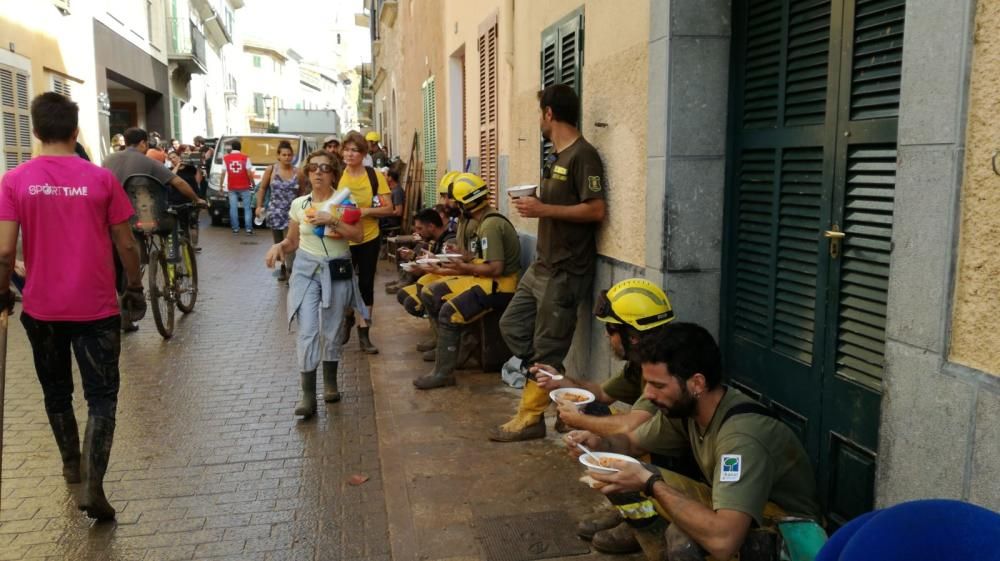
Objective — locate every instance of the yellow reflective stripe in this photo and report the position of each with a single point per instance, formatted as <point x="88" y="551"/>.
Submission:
<point x="638" y="511"/>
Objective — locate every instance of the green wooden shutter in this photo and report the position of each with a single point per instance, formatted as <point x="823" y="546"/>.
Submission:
<point x="562" y="59"/>
<point x="430" y="142"/>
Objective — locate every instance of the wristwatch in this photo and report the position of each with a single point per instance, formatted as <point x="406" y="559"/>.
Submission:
<point x="648" y="490"/>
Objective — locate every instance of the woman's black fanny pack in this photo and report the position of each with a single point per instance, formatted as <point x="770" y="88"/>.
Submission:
<point x="341" y="269"/>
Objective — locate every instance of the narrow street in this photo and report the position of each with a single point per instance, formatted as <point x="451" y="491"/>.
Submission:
<point x="209" y="462"/>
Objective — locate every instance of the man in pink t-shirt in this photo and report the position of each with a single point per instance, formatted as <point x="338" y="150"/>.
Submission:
<point x="65" y="207"/>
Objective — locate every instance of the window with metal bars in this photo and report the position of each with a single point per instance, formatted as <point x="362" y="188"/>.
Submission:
<point x="15" y="118"/>
<point x="562" y="60"/>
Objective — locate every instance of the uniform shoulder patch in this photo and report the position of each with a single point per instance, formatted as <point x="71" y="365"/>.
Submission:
<point x="484" y="243"/>
<point x="731" y="467"/>
<point x="594" y="183"/>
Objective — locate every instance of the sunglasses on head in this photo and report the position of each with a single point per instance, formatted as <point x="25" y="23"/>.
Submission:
<point x="325" y="168"/>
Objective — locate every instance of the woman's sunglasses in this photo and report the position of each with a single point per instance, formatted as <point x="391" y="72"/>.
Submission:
<point x="325" y="168"/>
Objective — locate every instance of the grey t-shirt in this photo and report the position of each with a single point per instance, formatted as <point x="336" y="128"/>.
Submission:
<point x="131" y="162"/>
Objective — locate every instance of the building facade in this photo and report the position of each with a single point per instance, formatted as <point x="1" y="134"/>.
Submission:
<point x="810" y="181"/>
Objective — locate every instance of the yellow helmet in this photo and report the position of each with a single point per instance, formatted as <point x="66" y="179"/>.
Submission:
<point x="444" y="187"/>
<point x="373" y="136"/>
<point x="634" y="302"/>
<point x="470" y="191"/>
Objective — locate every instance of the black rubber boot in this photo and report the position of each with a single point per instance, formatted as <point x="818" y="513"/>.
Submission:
<point x="67" y="435"/>
<point x="330" y="392"/>
<point x="96" y="452"/>
<point x="366" y="344"/>
<point x="346" y="327"/>
<point x="431" y="343"/>
<point x="307" y="406"/>
<point x="444" y="368"/>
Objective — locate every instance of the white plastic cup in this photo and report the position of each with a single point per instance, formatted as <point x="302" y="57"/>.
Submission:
<point x="259" y="219"/>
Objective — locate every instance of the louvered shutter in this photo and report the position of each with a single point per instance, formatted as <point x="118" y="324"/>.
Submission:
<point x="62" y="85"/>
<point x="562" y="59"/>
<point x="15" y="118"/>
<point x="430" y="142"/>
<point x="488" y="110"/>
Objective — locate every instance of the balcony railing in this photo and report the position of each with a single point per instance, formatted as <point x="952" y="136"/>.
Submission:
<point x="187" y="46"/>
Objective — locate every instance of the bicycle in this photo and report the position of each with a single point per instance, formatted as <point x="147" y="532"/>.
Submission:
<point x="166" y="253"/>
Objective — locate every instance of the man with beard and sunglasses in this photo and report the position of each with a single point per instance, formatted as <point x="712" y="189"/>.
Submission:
<point x="757" y="470"/>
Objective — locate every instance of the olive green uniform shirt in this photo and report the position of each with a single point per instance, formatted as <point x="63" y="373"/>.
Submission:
<point x="496" y="240"/>
<point x="577" y="175"/>
<point x="626" y="387"/>
<point x="466" y="233"/>
<point x="751" y="460"/>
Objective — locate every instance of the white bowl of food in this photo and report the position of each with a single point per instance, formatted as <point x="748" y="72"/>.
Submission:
<point x="606" y="461"/>
<point x="576" y="396"/>
<point x="518" y="191"/>
<point x="450" y="257"/>
<point x="429" y="261"/>
<point x="408" y="266"/>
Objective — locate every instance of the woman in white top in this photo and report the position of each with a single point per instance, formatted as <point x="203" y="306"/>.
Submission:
<point x="322" y="286"/>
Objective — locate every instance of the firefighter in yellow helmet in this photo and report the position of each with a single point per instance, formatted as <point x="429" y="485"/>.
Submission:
<point x="630" y="309"/>
<point x="485" y="280"/>
<point x="380" y="159"/>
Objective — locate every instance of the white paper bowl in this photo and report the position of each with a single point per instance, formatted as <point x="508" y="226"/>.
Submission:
<point x="518" y="191"/>
<point x="429" y="261"/>
<point x="449" y="257"/>
<point x="408" y="266"/>
<point x="588" y="462"/>
<point x="558" y="396"/>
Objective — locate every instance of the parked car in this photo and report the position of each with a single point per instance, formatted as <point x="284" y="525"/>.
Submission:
<point x="262" y="149"/>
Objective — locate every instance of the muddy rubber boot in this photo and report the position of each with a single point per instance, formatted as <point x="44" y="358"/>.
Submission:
<point x="444" y="368"/>
<point x="346" y="327"/>
<point x="330" y="392"/>
<point x="67" y="435"/>
<point x="431" y="343"/>
<point x="430" y="356"/>
<point x="680" y="546"/>
<point x="366" y="344"/>
<point x="96" y="452"/>
<point x="529" y="422"/>
<point x="603" y="521"/>
<point x="617" y="540"/>
<point x="652" y="539"/>
<point x="307" y="406"/>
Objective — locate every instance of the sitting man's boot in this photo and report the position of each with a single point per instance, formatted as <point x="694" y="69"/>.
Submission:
<point x="603" y="521"/>
<point x="680" y="546"/>
<point x="97" y="441"/>
<point x="620" y="539"/>
<point x="366" y="344"/>
<point x="307" y="406"/>
<point x="431" y="343"/>
<point x="330" y="391"/>
<point x="444" y="367"/>
<point x="430" y="356"/>
<point x="529" y="422"/>
<point x="346" y="327"/>
<point x="67" y="435"/>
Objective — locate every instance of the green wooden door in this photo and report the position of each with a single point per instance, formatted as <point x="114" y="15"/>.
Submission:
<point x="809" y="222"/>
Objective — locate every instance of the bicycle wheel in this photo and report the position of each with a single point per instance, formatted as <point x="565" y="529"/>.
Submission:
<point x="160" y="294"/>
<point x="186" y="278"/>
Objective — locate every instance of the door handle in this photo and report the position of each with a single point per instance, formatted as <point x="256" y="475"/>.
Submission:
<point x="835" y="236"/>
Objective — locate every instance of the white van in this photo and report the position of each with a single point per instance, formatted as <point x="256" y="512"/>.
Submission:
<point x="262" y="149"/>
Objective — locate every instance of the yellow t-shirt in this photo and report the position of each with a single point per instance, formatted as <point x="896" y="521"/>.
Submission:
<point x="308" y="240"/>
<point x="361" y="194"/>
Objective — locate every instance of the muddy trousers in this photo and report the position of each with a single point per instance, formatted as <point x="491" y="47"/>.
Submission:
<point x="96" y="345"/>
<point x="660" y="539"/>
<point x="409" y="296"/>
<point x="457" y="301"/>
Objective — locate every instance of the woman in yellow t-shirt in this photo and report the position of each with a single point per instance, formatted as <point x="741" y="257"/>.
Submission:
<point x="322" y="287"/>
<point x="370" y="190"/>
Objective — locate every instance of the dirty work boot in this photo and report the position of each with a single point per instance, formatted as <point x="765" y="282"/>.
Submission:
<point x="68" y="440"/>
<point x="330" y="392"/>
<point x="431" y="343"/>
<point x="653" y="541"/>
<point x="430" y="356"/>
<point x="96" y="450"/>
<point x="529" y="422"/>
<point x="604" y="521"/>
<point x="468" y="350"/>
<point x="366" y="344"/>
<point x="620" y="539"/>
<point x="444" y="368"/>
<point x="307" y="406"/>
<point x="680" y="546"/>
<point x="345" y="328"/>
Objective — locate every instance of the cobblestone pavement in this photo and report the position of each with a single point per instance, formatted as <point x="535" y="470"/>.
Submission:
<point x="208" y="460"/>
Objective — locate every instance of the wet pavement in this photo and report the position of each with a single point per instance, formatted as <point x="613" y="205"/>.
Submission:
<point x="210" y="463"/>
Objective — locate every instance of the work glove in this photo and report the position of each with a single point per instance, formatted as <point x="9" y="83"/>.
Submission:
<point x="134" y="300"/>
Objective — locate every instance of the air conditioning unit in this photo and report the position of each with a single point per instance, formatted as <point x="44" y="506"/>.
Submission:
<point x="62" y="5"/>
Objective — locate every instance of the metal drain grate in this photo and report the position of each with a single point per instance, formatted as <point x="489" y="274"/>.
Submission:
<point x="540" y="535"/>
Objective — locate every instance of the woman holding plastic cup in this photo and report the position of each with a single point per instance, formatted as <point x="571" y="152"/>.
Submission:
<point x="322" y="283"/>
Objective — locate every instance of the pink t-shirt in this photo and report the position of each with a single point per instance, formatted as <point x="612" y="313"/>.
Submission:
<point x="66" y="206"/>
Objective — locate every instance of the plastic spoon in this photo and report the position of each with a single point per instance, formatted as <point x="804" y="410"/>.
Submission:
<point x="554" y="375"/>
<point x="587" y="451"/>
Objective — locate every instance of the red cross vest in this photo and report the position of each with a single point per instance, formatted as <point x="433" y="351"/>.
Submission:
<point x="236" y="171"/>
